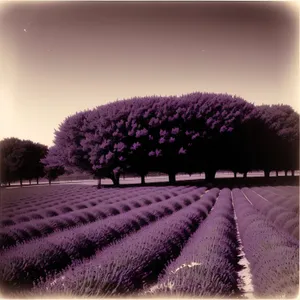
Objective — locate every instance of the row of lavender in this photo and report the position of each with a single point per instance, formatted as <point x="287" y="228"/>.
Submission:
<point x="178" y="246"/>
<point x="22" y="266"/>
<point x="23" y="232"/>
<point x="37" y="195"/>
<point x="55" y="208"/>
<point x="285" y="198"/>
<point x="71" y="198"/>
<point x="208" y="264"/>
<point x="190" y="253"/>
<point x="273" y="255"/>
<point x="136" y="261"/>
<point x="281" y="211"/>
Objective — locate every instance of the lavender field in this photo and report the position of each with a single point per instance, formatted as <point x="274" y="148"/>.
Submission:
<point x="150" y="149"/>
<point x="76" y="240"/>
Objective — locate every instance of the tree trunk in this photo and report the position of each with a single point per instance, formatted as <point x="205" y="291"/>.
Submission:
<point x="21" y="182"/>
<point x="277" y="173"/>
<point x="285" y="173"/>
<point x="30" y="181"/>
<point x="267" y="173"/>
<point x="210" y="175"/>
<point x="142" y="179"/>
<point x="245" y="175"/>
<point x="235" y="174"/>
<point x="293" y="173"/>
<point x="99" y="183"/>
<point x="172" y="177"/>
<point x="116" y="180"/>
<point x="9" y="183"/>
<point x="49" y="181"/>
<point x="37" y="180"/>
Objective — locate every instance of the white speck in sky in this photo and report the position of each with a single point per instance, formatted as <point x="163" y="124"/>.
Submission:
<point x="25" y="30"/>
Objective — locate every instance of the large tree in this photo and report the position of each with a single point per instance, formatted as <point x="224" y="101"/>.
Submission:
<point x="193" y="133"/>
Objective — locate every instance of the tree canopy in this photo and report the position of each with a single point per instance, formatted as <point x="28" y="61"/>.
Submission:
<point x="192" y="133"/>
<point x="22" y="160"/>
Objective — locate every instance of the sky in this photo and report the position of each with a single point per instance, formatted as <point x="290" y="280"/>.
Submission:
<point x="58" y="58"/>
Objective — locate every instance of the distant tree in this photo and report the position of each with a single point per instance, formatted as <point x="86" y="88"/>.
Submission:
<point x="53" y="172"/>
<point x="20" y="159"/>
<point x="12" y="160"/>
<point x="30" y="160"/>
<point x="53" y="164"/>
<point x="279" y="147"/>
<point x="40" y="153"/>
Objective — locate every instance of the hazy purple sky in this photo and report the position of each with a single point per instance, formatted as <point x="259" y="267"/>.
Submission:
<point x="59" y="58"/>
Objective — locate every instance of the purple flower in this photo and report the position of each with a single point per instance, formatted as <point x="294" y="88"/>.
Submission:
<point x="223" y="129"/>
<point x="131" y="132"/>
<point x="95" y="167"/>
<point x="142" y="132"/>
<point x="120" y="123"/>
<point x="230" y="129"/>
<point x="102" y="159"/>
<point x="120" y="146"/>
<point x="150" y="137"/>
<point x="154" y="121"/>
<point x="209" y="121"/>
<point x="195" y="136"/>
<point x="172" y="140"/>
<point x="214" y="124"/>
<point x="151" y="153"/>
<point x="121" y="158"/>
<point x="182" y="151"/>
<point x="162" y="140"/>
<point x="135" y="146"/>
<point x="158" y="152"/>
<point x="116" y="170"/>
<point x="133" y="124"/>
<point x="163" y="132"/>
<point x="175" y="130"/>
<point x="104" y="144"/>
<point x="109" y="155"/>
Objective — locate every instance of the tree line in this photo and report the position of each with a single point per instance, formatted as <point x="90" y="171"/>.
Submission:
<point x="191" y="133"/>
<point x="21" y="160"/>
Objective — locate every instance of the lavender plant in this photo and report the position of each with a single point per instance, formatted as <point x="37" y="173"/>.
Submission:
<point x="208" y="264"/>
<point x="273" y="255"/>
<point x="126" y="266"/>
<point x="57" y="251"/>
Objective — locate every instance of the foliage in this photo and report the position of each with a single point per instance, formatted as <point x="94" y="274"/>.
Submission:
<point x="21" y="159"/>
<point x="192" y="133"/>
